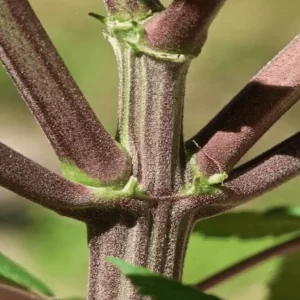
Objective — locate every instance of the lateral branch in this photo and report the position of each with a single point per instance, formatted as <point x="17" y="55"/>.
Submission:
<point x="271" y="93"/>
<point x="30" y="180"/>
<point x="58" y="105"/>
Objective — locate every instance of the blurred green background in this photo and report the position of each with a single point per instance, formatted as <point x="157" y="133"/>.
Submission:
<point x="244" y="37"/>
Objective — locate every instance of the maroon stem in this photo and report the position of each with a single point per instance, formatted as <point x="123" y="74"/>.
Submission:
<point x="131" y="8"/>
<point x="156" y="240"/>
<point x="258" y="176"/>
<point x="30" y="180"/>
<point x="14" y="293"/>
<point x="244" y="265"/>
<point x="191" y="18"/>
<point x="251" y="113"/>
<point x="54" y="98"/>
<point x="150" y="119"/>
<point x="150" y="129"/>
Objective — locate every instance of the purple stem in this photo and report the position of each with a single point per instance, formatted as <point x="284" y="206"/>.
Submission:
<point x="8" y="292"/>
<point x="251" y="113"/>
<point x="131" y="8"/>
<point x="30" y="180"/>
<point x="53" y="97"/>
<point x="258" y="176"/>
<point x="191" y="18"/>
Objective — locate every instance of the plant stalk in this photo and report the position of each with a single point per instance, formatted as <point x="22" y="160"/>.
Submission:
<point x="156" y="239"/>
<point x="151" y="94"/>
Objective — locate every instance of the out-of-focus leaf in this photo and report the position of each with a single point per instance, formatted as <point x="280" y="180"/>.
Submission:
<point x="8" y="292"/>
<point x="246" y="225"/>
<point x="156" y="286"/>
<point x="65" y="245"/>
<point x="285" y="285"/>
<point x="13" y="274"/>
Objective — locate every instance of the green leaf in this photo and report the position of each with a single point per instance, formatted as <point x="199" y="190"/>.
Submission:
<point x="156" y="286"/>
<point x="246" y="225"/>
<point x="285" y="285"/>
<point x="13" y="274"/>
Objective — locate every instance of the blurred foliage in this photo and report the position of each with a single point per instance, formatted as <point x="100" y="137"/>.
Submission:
<point x="245" y="36"/>
<point x="252" y="224"/>
<point x="14" y="275"/>
<point x="285" y="285"/>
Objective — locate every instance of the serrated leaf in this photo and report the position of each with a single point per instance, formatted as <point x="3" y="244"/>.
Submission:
<point x="156" y="286"/>
<point x="251" y="224"/>
<point x="13" y="274"/>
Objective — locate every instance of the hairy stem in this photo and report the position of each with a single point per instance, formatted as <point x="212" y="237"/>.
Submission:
<point x="156" y="239"/>
<point x="183" y="26"/>
<point x="30" y="180"/>
<point x="256" y="177"/>
<point x="54" y="98"/>
<point x="244" y="265"/>
<point x="135" y="8"/>
<point x="150" y="118"/>
<point x="271" y="93"/>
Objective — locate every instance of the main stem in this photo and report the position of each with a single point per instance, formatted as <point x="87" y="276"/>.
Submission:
<point x="156" y="239"/>
<point x="151" y="98"/>
<point x="150" y="118"/>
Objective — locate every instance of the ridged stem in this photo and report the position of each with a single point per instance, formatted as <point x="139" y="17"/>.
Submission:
<point x="30" y="180"/>
<point x="150" y="118"/>
<point x="156" y="239"/>
<point x="80" y="141"/>
<point x="243" y="121"/>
